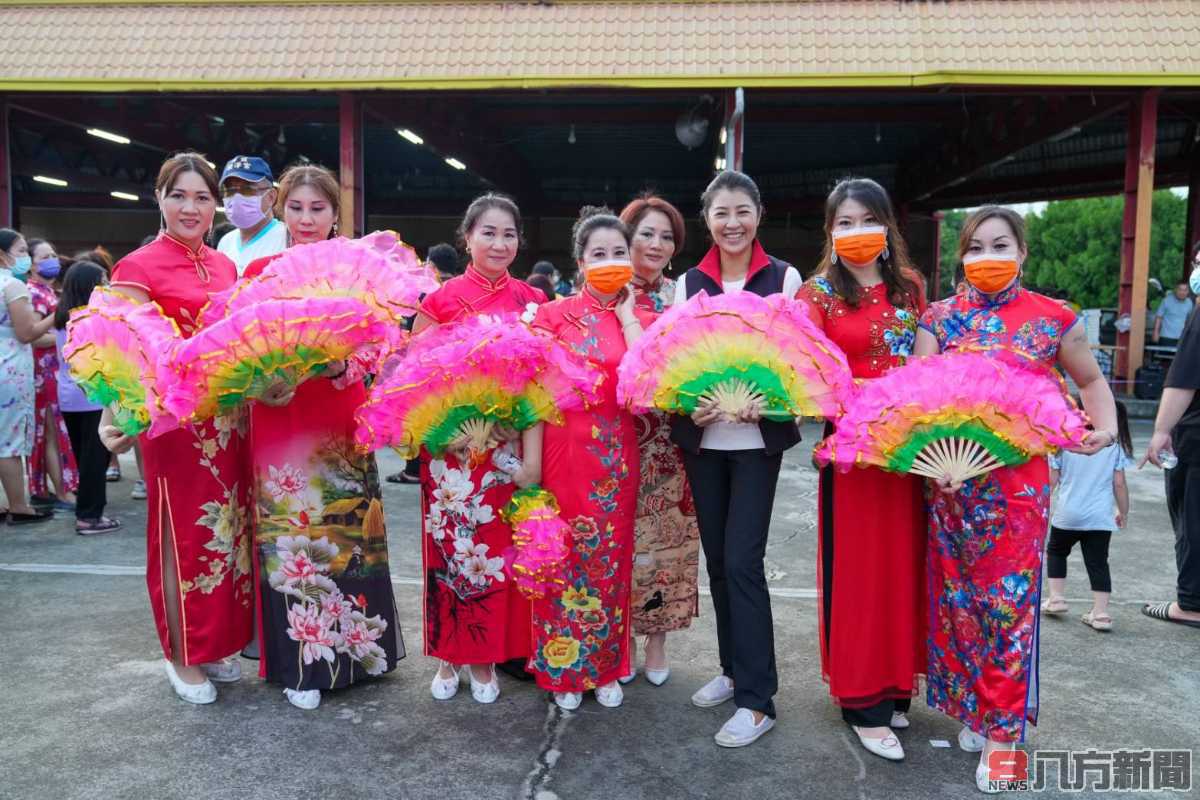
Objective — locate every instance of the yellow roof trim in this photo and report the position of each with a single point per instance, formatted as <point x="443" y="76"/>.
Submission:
<point x="839" y="80"/>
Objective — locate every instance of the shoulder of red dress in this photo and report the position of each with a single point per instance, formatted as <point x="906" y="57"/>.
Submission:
<point x="255" y="267"/>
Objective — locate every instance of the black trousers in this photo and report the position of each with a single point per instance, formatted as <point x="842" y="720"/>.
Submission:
<point x="92" y="459"/>
<point x="1183" y="504"/>
<point x="878" y="715"/>
<point x="734" y="491"/>
<point x="1095" y="555"/>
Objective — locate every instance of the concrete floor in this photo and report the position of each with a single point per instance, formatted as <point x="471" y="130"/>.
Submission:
<point x="87" y="712"/>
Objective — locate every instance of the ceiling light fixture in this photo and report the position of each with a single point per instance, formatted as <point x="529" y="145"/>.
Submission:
<point x="50" y="181"/>
<point x="410" y="136"/>
<point x="99" y="133"/>
<point x="125" y="196"/>
<point x="454" y="162"/>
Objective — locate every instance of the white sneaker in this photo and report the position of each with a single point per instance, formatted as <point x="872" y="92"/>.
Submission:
<point x="307" y="700"/>
<point x="444" y="688"/>
<point x="568" y="701"/>
<point x="740" y="730"/>
<point x="484" y="692"/>
<point x="899" y="721"/>
<point x="227" y="670"/>
<point x="970" y="741"/>
<point x="713" y="693"/>
<point x="888" y="747"/>
<point x="198" y="693"/>
<point x="983" y="776"/>
<point x="139" y="490"/>
<point x="610" y="696"/>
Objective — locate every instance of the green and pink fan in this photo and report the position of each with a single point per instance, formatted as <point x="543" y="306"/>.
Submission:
<point x="956" y="416"/>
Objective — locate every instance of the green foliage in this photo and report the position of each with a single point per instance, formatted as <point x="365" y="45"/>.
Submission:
<point x="1075" y="247"/>
<point x="952" y="223"/>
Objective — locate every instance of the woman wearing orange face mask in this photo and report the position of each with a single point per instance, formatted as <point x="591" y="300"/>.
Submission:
<point x="986" y="535"/>
<point x="867" y="298"/>
<point x="581" y="639"/>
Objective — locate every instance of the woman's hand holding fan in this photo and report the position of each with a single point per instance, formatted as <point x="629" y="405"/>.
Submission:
<point x="734" y="357"/>
<point x="956" y="416"/>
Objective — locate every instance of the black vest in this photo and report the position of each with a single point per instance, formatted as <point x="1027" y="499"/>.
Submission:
<point x="777" y="436"/>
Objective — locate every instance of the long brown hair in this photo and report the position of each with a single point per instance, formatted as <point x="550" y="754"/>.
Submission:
<point x="895" y="268"/>
<point x="313" y="175"/>
<point x="633" y="214"/>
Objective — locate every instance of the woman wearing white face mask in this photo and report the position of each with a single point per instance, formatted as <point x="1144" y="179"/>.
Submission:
<point x="581" y="638"/>
<point x="870" y="558"/>
<point x="986" y="535"/>
<point x="52" y="464"/>
<point x="19" y="327"/>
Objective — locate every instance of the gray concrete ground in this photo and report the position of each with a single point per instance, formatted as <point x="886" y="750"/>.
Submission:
<point x="87" y="713"/>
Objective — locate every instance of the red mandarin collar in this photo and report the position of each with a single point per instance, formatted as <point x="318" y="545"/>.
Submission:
<point x="483" y="282"/>
<point x="644" y="287"/>
<point x="710" y="265"/>
<point x="197" y="257"/>
<point x="596" y="303"/>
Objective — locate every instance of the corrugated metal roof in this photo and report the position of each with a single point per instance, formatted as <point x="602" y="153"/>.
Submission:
<point x="359" y="45"/>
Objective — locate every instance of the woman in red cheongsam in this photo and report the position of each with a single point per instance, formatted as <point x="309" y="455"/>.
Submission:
<point x="867" y="298"/>
<point x="590" y="464"/>
<point x="986" y="535"/>
<point x="198" y="533"/>
<point x="472" y="619"/>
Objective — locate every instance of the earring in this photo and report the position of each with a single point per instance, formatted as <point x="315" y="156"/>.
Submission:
<point x="833" y="259"/>
<point x="886" y="254"/>
<point x="334" y="231"/>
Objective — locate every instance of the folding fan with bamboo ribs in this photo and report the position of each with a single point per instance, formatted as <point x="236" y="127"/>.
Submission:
<point x="956" y="416"/>
<point x="117" y="349"/>
<point x="734" y="350"/>
<point x="456" y="388"/>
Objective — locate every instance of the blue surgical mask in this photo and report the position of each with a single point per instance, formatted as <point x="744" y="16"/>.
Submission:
<point x="49" y="268"/>
<point x="1194" y="281"/>
<point x="21" y="266"/>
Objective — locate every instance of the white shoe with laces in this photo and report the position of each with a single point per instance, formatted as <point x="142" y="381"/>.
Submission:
<point x="197" y="693"/>
<point x="610" y="696"/>
<point x="307" y="699"/>
<point x="227" y="670"/>
<point x="568" y="701"/>
<point x="899" y="721"/>
<point x="444" y="688"/>
<point x="741" y="729"/>
<point x="713" y="693"/>
<point x="481" y="691"/>
<point x="888" y="747"/>
<point x="970" y="741"/>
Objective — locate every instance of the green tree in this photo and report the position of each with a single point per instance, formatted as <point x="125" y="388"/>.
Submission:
<point x="952" y="223"/>
<point x="1075" y="247"/>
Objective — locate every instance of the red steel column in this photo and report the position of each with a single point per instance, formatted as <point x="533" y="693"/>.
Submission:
<point x="350" y="169"/>
<point x="1135" y="230"/>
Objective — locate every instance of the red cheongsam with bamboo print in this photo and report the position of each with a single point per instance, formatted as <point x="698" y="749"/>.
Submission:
<point x="871" y="548"/>
<point x="197" y="484"/>
<point x="473" y="614"/>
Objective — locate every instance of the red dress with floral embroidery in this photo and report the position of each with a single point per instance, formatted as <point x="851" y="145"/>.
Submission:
<point x="590" y="464"/>
<point x="986" y="541"/>
<point x="196" y="482"/>
<point x="871" y="551"/>
<point x="472" y="614"/>
<point x="45" y="387"/>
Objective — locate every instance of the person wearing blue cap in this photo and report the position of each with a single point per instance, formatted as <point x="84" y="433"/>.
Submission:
<point x="248" y="190"/>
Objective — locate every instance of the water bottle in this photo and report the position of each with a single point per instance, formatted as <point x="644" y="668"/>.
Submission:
<point x="1168" y="459"/>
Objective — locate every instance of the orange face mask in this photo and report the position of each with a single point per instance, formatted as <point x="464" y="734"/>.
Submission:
<point x="609" y="277"/>
<point x="860" y="246"/>
<point x="990" y="273"/>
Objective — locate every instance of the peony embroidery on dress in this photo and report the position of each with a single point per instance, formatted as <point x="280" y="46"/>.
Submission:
<point x="226" y="517"/>
<point x="456" y="509"/>
<point x="607" y="447"/>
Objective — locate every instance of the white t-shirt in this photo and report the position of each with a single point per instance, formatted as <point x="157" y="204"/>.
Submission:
<point x="1085" y="501"/>
<point x="270" y="240"/>
<point x="737" y="435"/>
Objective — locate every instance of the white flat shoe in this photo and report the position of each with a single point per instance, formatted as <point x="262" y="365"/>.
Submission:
<point x="713" y="693"/>
<point x="307" y="699"/>
<point x="970" y="741"/>
<point x="227" y="670"/>
<point x="983" y="777"/>
<point x="198" y="693"/>
<point x="899" y="721"/>
<point x="628" y="679"/>
<point x="484" y="692"/>
<point x="658" y="676"/>
<point x="444" y="688"/>
<point x="610" y="696"/>
<point x="888" y="747"/>
<point x="568" y="701"/>
<point x="741" y="729"/>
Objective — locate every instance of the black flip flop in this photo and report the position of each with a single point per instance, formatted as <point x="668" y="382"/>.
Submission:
<point x="1163" y="611"/>
<point x="29" y="519"/>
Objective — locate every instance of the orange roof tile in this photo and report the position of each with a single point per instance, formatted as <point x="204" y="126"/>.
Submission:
<point x="227" y="44"/>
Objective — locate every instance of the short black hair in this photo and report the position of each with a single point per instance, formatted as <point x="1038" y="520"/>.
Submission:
<point x="444" y="259"/>
<point x="543" y="268"/>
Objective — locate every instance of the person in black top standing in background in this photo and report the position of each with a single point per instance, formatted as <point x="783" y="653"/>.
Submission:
<point x="1177" y="439"/>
